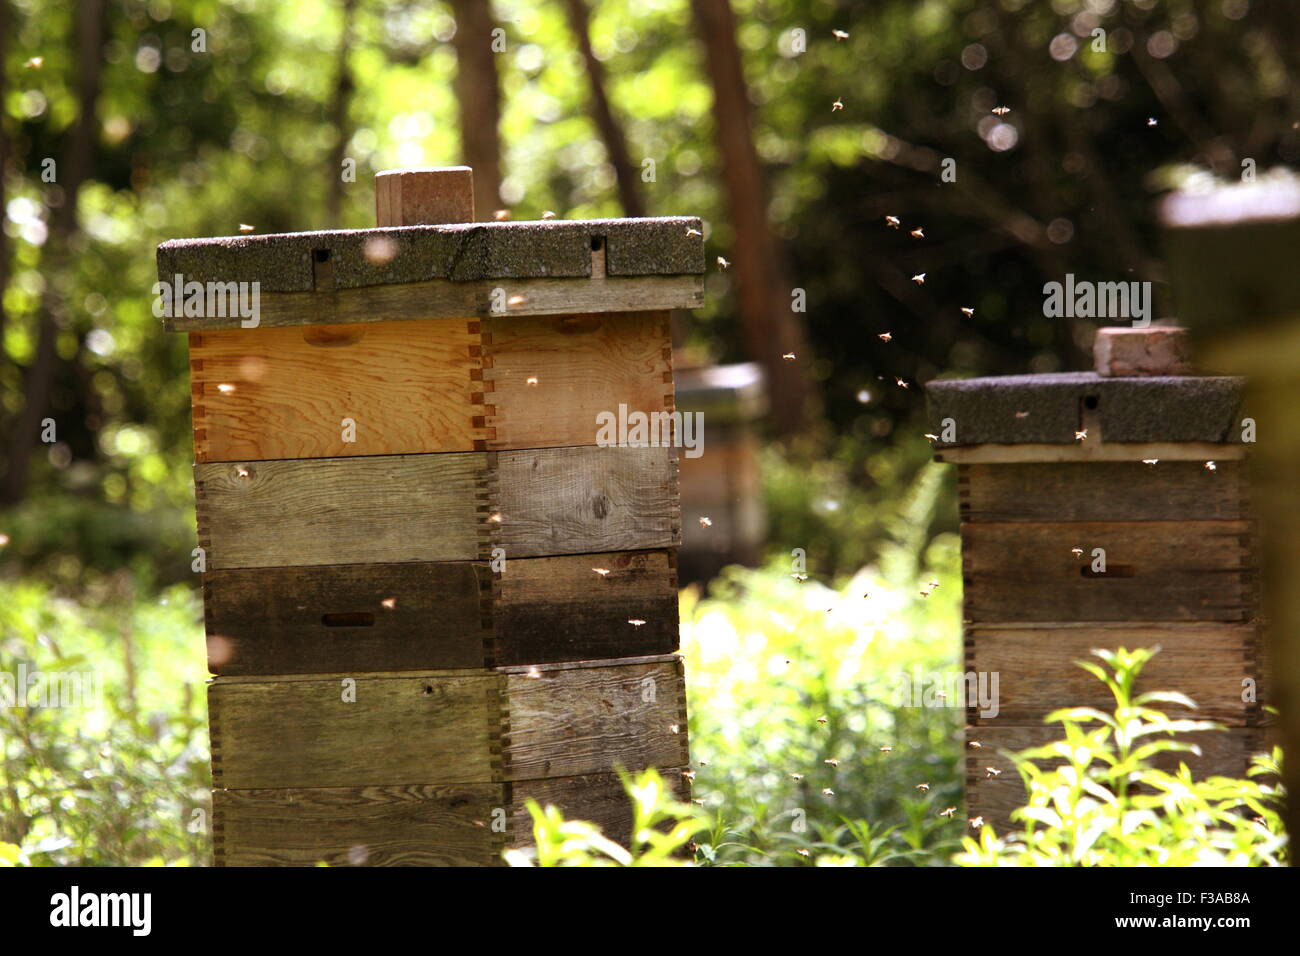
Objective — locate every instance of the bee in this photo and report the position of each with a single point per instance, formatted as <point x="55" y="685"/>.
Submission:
<point x="389" y="603"/>
<point x="796" y="776"/>
<point x="692" y="231"/>
<point x="225" y="389"/>
<point x="930" y="438"/>
<point x="245" y="227"/>
<point x="533" y="672"/>
<point x="495" y="517"/>
<point x="821" y="720"/>
<point x="948" y="812"/>
<point x="798" y="576"/>
<point x="802" y="852"/>
<point x="837" y="105"/>
<point x="828" y="792"/>
<point x="243" y="472"/>
<point x="1149" y="461"/>
<point x="36" y="62"/>
<point x="601" y="571"/>
<point x="923" y="787"/>
<point x="675" y="728"/>
<point x="635" y="621"/>
<point x="1081" y="434"/>
<point x="688" y="774"/>
<point x="1152" y="121"/>
<point x="1077" y="552"/>
<point x="839" y="34"/>
<point x="516" y="300"/>
<point x="969" y="313"/>
<point x="547" y="214"/>
<point x="1022" y="414"/>
<point x="917" y="233"/>
<point x="531" y="380"/>
<point x="1001" y="110"/>
<point x="789" y="356"/>
<point x="919" y="278"/>
<point x="974" y="744"/>
<point x="722" y="263"/>
<point x="885" y="336"/>
<point x="706" y="522"/>
<point x="1211" y="466"/>
<point x="886" y="749"/>
<point x="832" y="761"/>
<point x="501" y="215"/>
<point x="993" y="771"/>
<point x="976" y="822"/>
<point x="900" y="383"/>
<point x="891" y="222"/>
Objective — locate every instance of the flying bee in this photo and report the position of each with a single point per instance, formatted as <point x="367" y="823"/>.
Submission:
<point x="832" y="761"/>
<point x="885" y="336"/>
<point x="635" y="621"/>
<point x="796" y="776"/>
<point x="692" y="231"/>
<point x="1211" y="466"/>
<point x="886" y="749"/>
<point x="948" y="812"/>
<point x="722" y="263"/>
<point x="918" y="233"/>
<point x="501" y="215"/>
<point x="1077" y="552"/>
<point x="601" y="571"/>
<point x="1149" y="461"/>
<point x="1001" y="110"/>
<point x="969" y="313"/>
<point x="974" y="744"/>
<point x="837" y="105"/>
<point x="828" y="792"/>
<point x="244" y="227"/>
<point x="822" y="719"/>
<point x="976" y="822"/>
<point x="891" y="222"/>
<point x="919" y="278"/>
<point x="548" y="214"/>
<point x="1022" y="414"/>
<point x="1081" y="434"/>
<point x="923" y="787"/>
<point x="900" y="383"/>
<point x="789" y="356"/>
<point x="993" y="771"/>
<point x="839" y="34"/>
<point x="706" y="522"/>
<point x="930" y="438"/>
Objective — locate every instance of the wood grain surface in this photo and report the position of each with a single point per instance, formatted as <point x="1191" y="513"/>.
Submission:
<point x="271" y="393"/>
<point x="419" y="616"/>
<point x="1156" y="571"/>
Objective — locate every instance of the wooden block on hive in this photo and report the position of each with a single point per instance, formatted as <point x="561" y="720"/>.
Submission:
<point x="456" y="506"/>
<point x="452" y="825"/>
<point x="1155" y="571"/>
<point x="433" y="616"/>
<point x="447" y="727"/>
<point x="1037" y="674"/>
<point x="431" y="385"/>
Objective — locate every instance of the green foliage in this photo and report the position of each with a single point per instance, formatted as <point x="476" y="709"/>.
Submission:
<point x="794" y="689"/>
<point x="1097" y="799"/>
<point x="662" y="829"/>
<point x="117" y="777"/>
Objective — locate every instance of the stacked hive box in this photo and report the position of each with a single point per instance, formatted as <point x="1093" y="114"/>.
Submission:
<point x="424" y="577"/>
<point x="1053" y="467"/>
<point x="725" y="484"/>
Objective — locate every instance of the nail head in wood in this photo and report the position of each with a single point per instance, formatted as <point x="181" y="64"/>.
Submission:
<point x="425" y="196"/>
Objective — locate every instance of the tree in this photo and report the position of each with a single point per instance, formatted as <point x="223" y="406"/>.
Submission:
<point x="478" y="93"/>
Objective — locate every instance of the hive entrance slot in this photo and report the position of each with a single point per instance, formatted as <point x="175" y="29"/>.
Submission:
<point x="348" y="619"/>
<point x="1112" y="571"/>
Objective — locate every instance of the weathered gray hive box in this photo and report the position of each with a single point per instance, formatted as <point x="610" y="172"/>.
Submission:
<point x="1100" y="511"/>
<point x="432" y="590"/>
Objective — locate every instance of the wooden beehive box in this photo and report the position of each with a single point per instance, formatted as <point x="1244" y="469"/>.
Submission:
<point x="430" y="593"/>
<point x="724" y="520"/>
<point x="1145" y="468"/>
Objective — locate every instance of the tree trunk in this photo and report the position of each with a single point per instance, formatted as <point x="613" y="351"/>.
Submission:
<point x="629" y="193"/>
<point x="72" y="171"/>
<point x="771" y="328"/>
<point x="478" y="93"/>
<point x="339" y="116"/>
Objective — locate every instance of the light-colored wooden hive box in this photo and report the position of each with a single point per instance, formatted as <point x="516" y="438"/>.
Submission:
<point x="1051" y="467"/>
<point x="430" y="594"/>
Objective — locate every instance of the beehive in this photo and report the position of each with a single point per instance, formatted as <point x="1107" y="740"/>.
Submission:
<point x="724" y="520"/>
<point x="430" y="593"/>
<point x="1143" y="470"/>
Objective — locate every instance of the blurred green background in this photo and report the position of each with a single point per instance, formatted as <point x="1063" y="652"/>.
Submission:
<point x="153" y="139"/>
